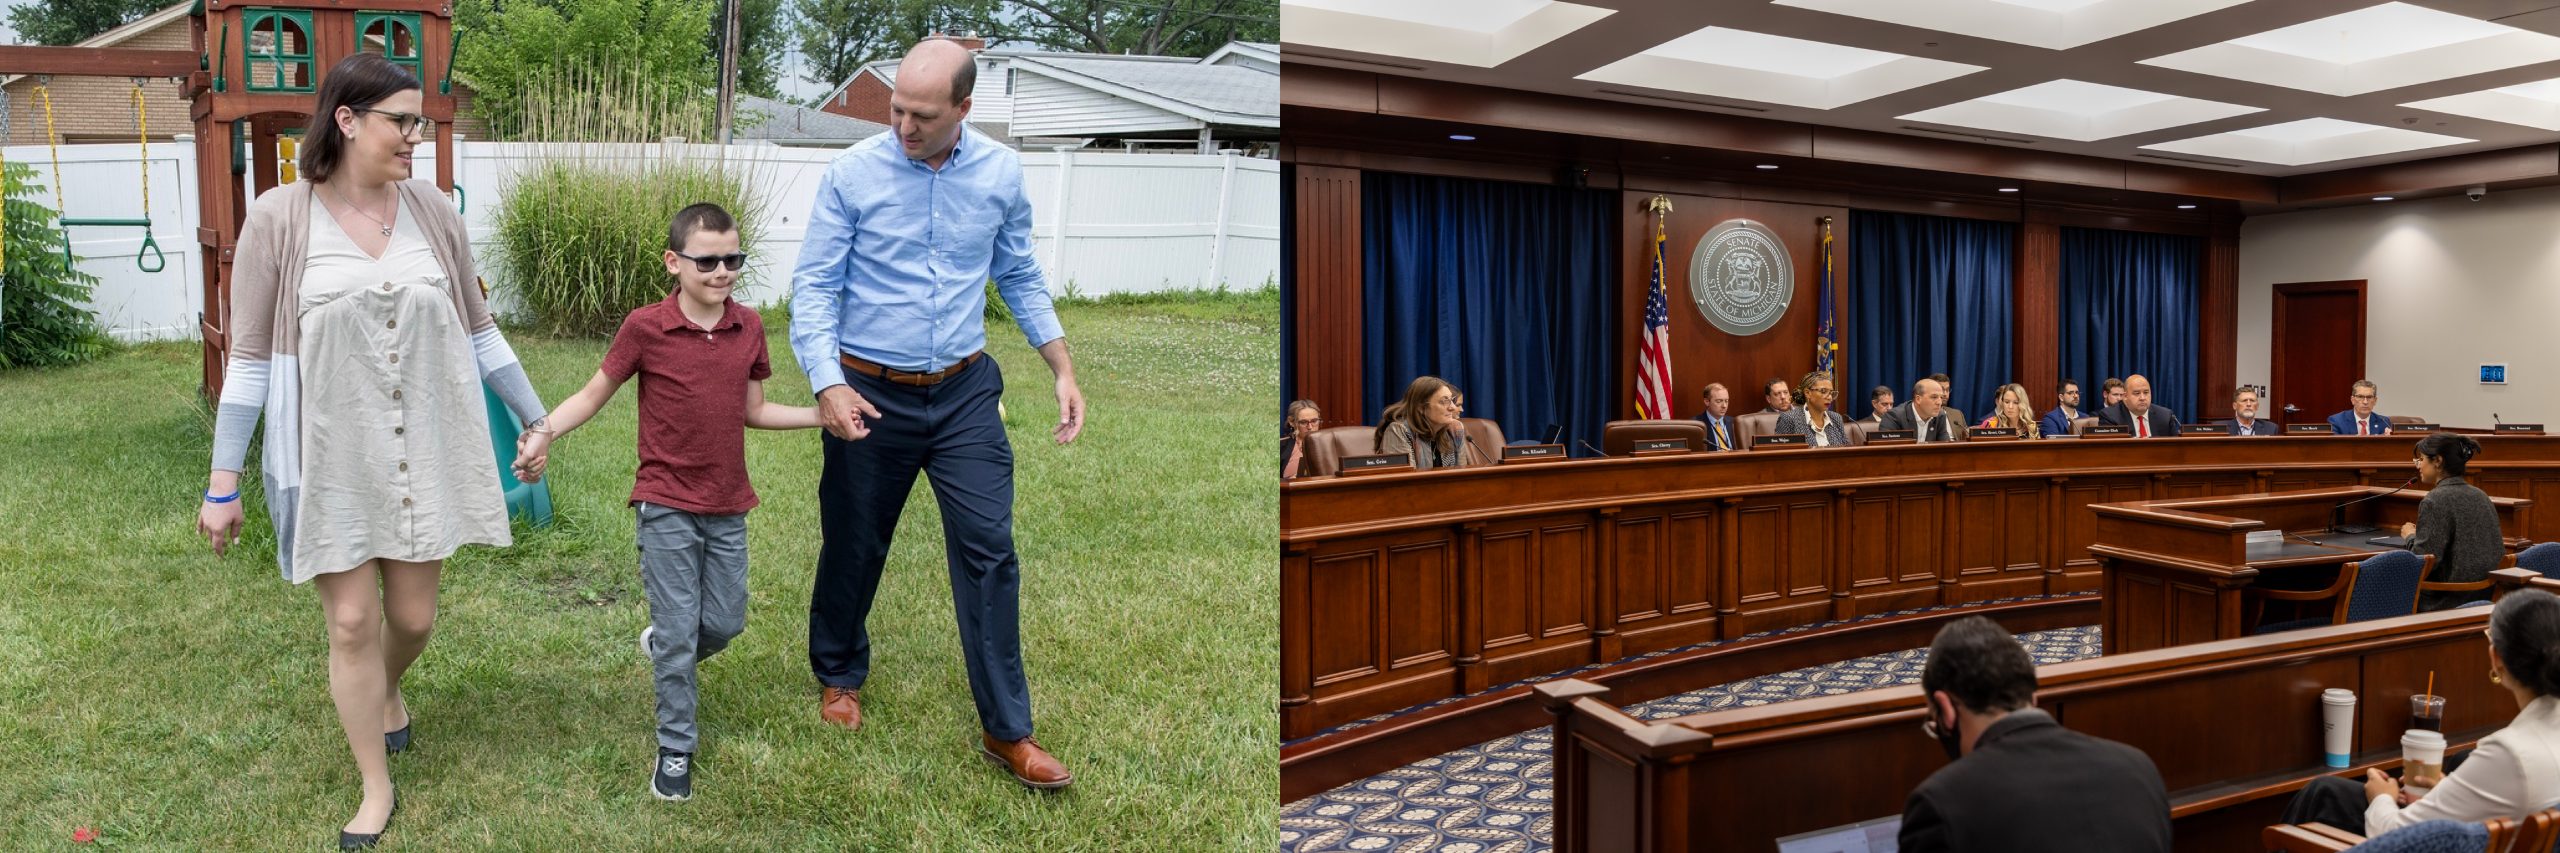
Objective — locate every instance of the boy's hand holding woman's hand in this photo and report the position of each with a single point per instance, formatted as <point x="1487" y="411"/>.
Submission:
<point x="533" y="451"/>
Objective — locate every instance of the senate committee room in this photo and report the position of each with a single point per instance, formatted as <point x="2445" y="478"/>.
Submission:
<point x="1849" y="426"/>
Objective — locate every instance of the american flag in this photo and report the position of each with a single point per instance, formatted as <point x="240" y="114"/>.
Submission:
<point x="1653" y="373"/>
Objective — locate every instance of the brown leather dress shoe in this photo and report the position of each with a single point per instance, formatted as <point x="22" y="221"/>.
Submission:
<point x="1029" y="764"/>
<point x="843" y="707"/>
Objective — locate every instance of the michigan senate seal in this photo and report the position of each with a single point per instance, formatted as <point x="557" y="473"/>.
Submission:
<point x="1740" y="277"/>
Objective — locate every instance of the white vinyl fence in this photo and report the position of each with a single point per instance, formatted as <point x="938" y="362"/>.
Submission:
<point x="1101" y="222"/>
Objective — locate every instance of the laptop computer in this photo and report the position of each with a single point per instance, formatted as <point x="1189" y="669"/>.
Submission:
<point x="1881" y="835"/>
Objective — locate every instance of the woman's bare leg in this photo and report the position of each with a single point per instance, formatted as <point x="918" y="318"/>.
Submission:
<point x="408" y="618"/>
<point x="353" y="611"/>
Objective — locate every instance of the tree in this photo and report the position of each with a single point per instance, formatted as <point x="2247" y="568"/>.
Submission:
<point x="44" y="315"/>
<point x="837" y="37"/>
<point x="763" y="37"/>
<point x="61" y="22"/>
<point x="506" y="49"/>
<point x="1154" y="27"/>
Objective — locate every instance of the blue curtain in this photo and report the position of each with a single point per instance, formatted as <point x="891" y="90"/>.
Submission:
<point x="2129" y="306"/>
<point x="1508" y="290"/>
<point x="1928" y="294"/>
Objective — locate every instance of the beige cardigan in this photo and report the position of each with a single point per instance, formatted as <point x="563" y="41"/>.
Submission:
<point x="261" y="378"/>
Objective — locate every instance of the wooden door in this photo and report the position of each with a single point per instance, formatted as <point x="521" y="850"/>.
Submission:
<point x="2317" y="350"/>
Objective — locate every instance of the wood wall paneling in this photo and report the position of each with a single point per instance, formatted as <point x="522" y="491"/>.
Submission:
<point x="2035" y="306"/>
<point x="2218" y="322"/>
<point x="1701" y="353"/>
<point x="1328" y="291"/>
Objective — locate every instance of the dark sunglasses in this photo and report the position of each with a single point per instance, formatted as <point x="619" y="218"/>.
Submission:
<point x="736" y="261"/>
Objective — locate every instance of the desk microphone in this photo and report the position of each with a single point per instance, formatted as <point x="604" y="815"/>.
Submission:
<point x="1479" y="452"/>
<point x="2338" y="514"/>
<point x="2494" y="422"/>
<point x="1587" y="446"/>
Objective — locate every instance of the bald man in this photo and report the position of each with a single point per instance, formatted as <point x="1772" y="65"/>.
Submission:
<point x="885" y="319"/>
<point x="2137" y="411"/>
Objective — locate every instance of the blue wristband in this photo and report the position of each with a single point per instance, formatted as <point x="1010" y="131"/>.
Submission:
<point x="233" y="496"/>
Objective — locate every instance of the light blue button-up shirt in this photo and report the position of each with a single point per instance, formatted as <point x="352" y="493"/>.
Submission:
<point x="895" y="260"/>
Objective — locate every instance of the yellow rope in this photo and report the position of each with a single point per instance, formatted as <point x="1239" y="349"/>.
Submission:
<point x="46" y="93"/>
<point x="142" y="135"/>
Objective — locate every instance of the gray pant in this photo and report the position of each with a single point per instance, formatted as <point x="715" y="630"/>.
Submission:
<point x="695" y="570"/>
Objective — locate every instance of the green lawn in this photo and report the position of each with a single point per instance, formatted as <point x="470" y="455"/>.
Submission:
<point x="178" y="701"/>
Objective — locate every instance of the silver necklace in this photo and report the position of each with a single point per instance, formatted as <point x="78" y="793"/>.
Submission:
<point x="351" y="205"/>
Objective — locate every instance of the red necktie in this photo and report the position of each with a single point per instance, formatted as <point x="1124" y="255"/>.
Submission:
<point x="2142" y="425"/>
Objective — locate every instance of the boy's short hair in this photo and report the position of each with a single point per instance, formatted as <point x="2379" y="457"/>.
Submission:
<point x="699" y="216"/>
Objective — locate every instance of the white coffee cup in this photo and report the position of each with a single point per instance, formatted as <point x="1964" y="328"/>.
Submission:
<point x="2338" y="725"/>
<point x="2421" y="759"/>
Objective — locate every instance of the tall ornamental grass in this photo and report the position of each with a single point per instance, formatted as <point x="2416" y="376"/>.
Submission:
<point x="579" y="235"/>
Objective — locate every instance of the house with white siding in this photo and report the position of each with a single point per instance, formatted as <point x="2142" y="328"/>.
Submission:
<point x="1040" y="99"/>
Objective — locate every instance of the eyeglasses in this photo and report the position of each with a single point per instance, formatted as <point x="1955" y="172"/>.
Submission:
<point x="408" y="123"/>
<point x="734" y="261"/>
<point x="1309" y="422"/>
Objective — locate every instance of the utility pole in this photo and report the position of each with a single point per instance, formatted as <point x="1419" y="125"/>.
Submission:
<point x="728" y="69"/>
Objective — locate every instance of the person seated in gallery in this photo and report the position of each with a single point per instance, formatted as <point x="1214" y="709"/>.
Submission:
<point x="2513" y="773"/>
<point x="2360" y="418"/>
<point x="2147" y="420"/>
<point x="1879" y="401"/>
<point x="2016" y="780"/>
<point x="2457" y="524"/>
<point x="1947" y="396"/>
<point x="1424" y="426"/>
<point x="1812" y="414"/>
<point x="1302" y="421"/>
<point x="2012" y="410"/>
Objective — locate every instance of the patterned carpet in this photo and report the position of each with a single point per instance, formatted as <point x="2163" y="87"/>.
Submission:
<point x="1496" y="797"/>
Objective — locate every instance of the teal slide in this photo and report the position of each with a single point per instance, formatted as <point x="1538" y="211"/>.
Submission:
<point x="526" y="502"/>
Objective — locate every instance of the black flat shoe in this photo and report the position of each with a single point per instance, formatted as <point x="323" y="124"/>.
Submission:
<point x="396" y="742"/>
<point x="352" y="841"/>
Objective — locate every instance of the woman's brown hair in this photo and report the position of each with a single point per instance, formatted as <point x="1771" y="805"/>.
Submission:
<point x="1409" y="410"/>
<point x="357" y="82"/>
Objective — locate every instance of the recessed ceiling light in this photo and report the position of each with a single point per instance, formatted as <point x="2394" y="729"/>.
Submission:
<point x="1766" y="166"/>
<point x="2008" y="189"/>
<point x="2186" y="207"/>
<point x="2382" y="198"/>
<point x="1462" y="137"/>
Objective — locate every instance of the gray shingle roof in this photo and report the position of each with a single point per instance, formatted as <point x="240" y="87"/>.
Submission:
<point x="785" y="122"/>
<point x="1224" y="94"/>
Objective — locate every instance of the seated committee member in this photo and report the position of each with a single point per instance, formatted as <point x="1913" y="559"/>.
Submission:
<point x="1424" y="426"/>
<point x="1303" y="421"/>
<point x="1879" y="400"/>
<point x="2456" y="522"/>
<point x="1946" y="395"/>
<point x="1720" y="434"/>
<point x="1926" y="415"/>
<point x="2065" y="410"/>
<point x="2012" y="410"/>
<point x="2244" y="414"/>
<point x="2362" y="420"/>
<point x="2513" y="773"/>
<point x="2017" y="780"/>
<point x="2147" y="420"/>
<point x="1812" y="415"/>
<point x="1775" y="392"/>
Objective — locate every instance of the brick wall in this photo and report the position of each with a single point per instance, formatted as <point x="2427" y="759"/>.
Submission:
<point x="866" y="99"/>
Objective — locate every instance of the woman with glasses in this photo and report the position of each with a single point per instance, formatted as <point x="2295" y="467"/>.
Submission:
<point x="1425" y="426"/>
<point x="1303" y="419"/>
<point x="1812" y="415"/>
<point x="2012" y="410"/>
<point x="359" y="332"/>
<point x="2513" y="773"/>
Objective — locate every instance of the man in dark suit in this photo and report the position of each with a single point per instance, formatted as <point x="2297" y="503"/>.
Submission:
<point x="1927" y="415"/>
<point x="2147" y="420"/>
<point x="2065" y="410"/>
<point x="2244" y="414"/>
<point x="1947" y="395"/>
<point x="1878" y="401"/>
<point x="2018" y="780"/>
<point x="1775" y="392"/>
<point x="2362" y="420"/>
<point x="1720" y="434"/>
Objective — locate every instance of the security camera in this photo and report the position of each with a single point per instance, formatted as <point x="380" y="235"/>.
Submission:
<point x="2474" y="193"/>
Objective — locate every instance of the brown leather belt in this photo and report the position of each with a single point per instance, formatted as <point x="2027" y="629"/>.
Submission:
<point x="903" y="377"/>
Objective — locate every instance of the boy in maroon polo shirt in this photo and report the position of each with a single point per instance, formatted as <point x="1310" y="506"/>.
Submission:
<point x="701" y="362"/>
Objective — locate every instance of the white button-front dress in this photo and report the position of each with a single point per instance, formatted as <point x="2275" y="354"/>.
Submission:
<point x="397" y="461"/>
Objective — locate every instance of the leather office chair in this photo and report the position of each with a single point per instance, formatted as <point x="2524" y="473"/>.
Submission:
<point x="2083" y="423"/>
<point x="2432" y="836"/>
<point x="1484" y="437"/>
<point x="1748" y="426"/>
<point x="1618" y="438"/>
<point x="2397" y="420"/>
<point x="1327" y="447"/>
<point x="1858" y="431"/>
